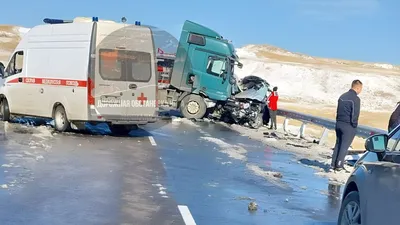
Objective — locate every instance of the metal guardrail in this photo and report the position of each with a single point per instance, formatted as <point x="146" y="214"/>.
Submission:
<point x="362" y="131"/>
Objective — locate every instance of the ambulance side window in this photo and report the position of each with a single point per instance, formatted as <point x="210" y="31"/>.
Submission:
<point x="16" y="64"/>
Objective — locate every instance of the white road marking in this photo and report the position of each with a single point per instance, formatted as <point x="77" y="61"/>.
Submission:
<point x="186" y="215"/>
<point x="152" y="141"/>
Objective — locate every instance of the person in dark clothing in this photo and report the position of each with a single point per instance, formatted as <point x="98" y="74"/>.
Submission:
<point x="266" y="115"/>
<point x="394" y="120"/>
<point x="348" y="111"/>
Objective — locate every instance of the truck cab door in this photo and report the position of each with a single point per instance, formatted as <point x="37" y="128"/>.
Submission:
<point x="215" y="82"/>
<point x="13" y="85"/>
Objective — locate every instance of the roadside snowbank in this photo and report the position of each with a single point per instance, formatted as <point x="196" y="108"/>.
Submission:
<point x="317" y="85"/>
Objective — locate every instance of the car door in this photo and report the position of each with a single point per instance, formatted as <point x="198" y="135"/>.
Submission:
<point x="383" y="181"/>
<point x="14" y="83"/>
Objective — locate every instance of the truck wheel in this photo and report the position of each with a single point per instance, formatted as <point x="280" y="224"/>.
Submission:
<point x="4" y="110"/>
<point x="121" y="129"/>
<point x="257" y="122"/>
<point x="61" y="122"/>
<point x="193" y="107"/>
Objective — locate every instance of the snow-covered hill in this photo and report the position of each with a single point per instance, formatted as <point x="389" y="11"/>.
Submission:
<point x="300" y="78"/>
<point x="317" y="81"/>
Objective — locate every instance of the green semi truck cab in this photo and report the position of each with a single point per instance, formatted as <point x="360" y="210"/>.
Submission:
<point x="203" y="71"/>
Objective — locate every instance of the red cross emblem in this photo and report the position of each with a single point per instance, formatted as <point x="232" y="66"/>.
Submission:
<point x="141" y="98"/>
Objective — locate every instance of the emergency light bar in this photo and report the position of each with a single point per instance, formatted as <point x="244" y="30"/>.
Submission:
<point x="56" y="21"/>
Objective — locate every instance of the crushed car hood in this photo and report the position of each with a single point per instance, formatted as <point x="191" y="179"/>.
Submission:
<point x="254" y="88"/>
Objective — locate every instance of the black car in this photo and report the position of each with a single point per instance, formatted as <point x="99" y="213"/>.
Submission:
<point x="372" y="192"/>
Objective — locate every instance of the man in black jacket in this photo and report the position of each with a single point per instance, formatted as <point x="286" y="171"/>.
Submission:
<point x="394" y="120"/>
<point x="348" y="111"/>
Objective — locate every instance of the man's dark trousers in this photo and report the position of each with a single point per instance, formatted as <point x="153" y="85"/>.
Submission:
<point x="345" y="134"/>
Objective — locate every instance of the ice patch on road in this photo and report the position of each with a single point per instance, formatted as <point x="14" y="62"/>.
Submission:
<point x="43" y="132"/>
<point x="270" y="176"/>
<point x="233" y="151"/>
<point x="7" y="165"/>
<point x="178" y="120"/>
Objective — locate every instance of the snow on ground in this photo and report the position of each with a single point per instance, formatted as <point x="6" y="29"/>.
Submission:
<point x="305" y="151"/>
<point x="313" y="81"/>
<point x="24" y="146"/>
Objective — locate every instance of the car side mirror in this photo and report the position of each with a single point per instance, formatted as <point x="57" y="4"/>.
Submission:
<point x="377" y="143"/>
<point x="240" y="65"/>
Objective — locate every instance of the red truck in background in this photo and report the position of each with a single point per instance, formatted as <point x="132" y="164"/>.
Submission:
<point x="165" y="63"/>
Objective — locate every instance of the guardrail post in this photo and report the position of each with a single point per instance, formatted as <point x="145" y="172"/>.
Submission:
<point x="285" y="125"/>
<point x="302" y="131"/>
<point x="323" y="137"/>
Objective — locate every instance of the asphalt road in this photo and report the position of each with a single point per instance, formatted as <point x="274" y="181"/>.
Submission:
<point x="149" y="177"/>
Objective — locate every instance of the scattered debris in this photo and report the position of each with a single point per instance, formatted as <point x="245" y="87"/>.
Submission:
<point x="303" y="187"/>
<point x="252" y="206"/>
<point x="287" y="200"/>
<point x="245" y="198"/>
<point x="277" y="175"/>
<point x="298" y="145"/>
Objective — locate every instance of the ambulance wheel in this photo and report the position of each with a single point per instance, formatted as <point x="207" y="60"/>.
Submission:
<point x="4" y="110"/>
<point x="121" y="129"/>
<point x="193" y="107"/>
<point x="61" y="122"/>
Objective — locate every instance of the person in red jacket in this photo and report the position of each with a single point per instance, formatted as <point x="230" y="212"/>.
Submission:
<point x="273" y="107"/>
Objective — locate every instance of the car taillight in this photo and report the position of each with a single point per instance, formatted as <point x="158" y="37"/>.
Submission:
<point x="90" y="87"/>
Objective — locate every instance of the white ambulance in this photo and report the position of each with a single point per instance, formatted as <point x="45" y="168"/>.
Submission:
<point x="83" y="71"/>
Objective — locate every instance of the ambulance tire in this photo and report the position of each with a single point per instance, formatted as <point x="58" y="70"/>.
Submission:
<point x="194" y="103"/>
<point x="61" y="122"/>
<point x="5" y="110"/>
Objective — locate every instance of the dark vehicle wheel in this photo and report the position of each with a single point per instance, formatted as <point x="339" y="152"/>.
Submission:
<point x="61" y="122"/>
<point x="4" y="110"/>
<point x="121" y="129"/>
<point x="193" y="107"/>
<point x="257" y="122"/>
<point x="350" y="211"/>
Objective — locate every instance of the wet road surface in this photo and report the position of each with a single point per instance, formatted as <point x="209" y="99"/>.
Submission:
<point x="99" y="179"/>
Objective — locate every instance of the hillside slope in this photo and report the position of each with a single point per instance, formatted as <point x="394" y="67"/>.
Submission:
<point x="316" y="81"/>
<point x="300" y="78"/>
<point x="9" y="38"/>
